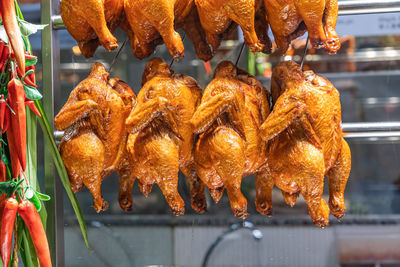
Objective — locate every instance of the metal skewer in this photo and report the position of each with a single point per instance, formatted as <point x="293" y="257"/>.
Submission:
<point x="240" y="53"/>
<point x="305" y="53"/>
<point x="117" y="55"/>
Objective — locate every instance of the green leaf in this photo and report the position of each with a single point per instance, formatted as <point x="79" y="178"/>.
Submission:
<point x="29" y="28"/>
<point x="32" y="92"/>
<point x="30" y="62"/>
<point x="36" y="201"/>
<point x="43" y="197"/>
<point x="62" y="172"/>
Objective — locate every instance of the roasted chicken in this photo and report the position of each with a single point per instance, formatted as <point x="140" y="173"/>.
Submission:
<point x="94" y="141"/>
<point x="91" y="22"/>
<point x="290" y="19"/>
<point x="217" y="15"/>
<point x="305" y="143"/>
<point x="229" y="146"/>
<point x="161" y="139"/>
<point x="151" y="20"/>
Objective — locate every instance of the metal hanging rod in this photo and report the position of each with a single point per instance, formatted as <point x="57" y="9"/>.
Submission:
<point x="350" y="7"/>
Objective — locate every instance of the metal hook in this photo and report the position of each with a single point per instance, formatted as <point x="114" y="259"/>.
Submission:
<point x="240" y="53"/>
<point x="305" y="53"/>
<point x="117" y="55"/>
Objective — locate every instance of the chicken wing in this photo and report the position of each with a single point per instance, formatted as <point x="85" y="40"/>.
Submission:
<point x="305" y="142"/>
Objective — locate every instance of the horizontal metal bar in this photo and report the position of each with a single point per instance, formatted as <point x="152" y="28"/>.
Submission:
<point x="371" y="126"/>
<point x="58" y="23"/>
<point x="352" y="7"/>
<point x="353" y="130"/>
<point x="357" y="7"/>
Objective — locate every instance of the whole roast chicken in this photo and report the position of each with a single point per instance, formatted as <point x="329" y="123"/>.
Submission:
<point x="217" y="15"/>
<point x="305" y="143"/>
<point x="153" y="22"/>
<point x="161" y="138"/>
<point x="94" y="141"/>
<point x="229" y="146"/>
<point x="91" y="22"/>
<point x="290" y="19"/>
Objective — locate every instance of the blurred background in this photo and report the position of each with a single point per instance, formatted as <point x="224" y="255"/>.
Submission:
<point x="366" y="71"/>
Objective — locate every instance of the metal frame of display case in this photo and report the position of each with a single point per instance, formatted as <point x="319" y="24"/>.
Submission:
<point x="51" y="90"/>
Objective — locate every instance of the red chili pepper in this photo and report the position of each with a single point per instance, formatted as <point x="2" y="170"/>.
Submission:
<point x="4" y="57"/>
<point x="27" y="80"/>
<point x="16" y="101"/>
<point x="6" y="120"/>
<point x="15" y="165"/>
<point x="32" y="75"/>
<point x="1" y="47"/>
<point x="2" y="112"/>
<point x="7" y="225"/>
<point x="7" y="9"/>
<point x="29" y="56"/>
<point x="32" y="220"/>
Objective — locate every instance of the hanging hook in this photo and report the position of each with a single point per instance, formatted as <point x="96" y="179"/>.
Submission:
<point x="305" y="53"/>
<point x="240" y="53"/>
<point x="117" y="55"/>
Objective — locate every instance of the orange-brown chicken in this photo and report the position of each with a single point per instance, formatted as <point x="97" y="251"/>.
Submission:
<point x="91" y="22"/>
<point x="150" y="19"/>
<point x="94" y="141"/>
<point x="217" y="15"/>
<point x="290" y="19"/>
<point x="229" y="146"/>
<point x="160" y="142"/>
<point x="305" y="143"/>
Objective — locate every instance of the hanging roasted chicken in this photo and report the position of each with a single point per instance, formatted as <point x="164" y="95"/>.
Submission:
<point x="94" y="141"/>
<point x="161" y="139"/>
<point x="91" y="22"/>
<point x="229" y="146"/>
<point x="217" y="15"/>
<point x="305" y="143"/>
<point x="290" y="19"/>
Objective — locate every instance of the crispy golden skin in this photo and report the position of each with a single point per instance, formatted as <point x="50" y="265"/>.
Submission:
<point x="290" y="19"/>
<point x="305" y="143"/>
<point x="150" y="19"/>
<point x="217" y="15"/>
<point x="91" y="22"/>
<point x="229" y="146"/>
<point x="161" y="139"/>
<point x="94" y="142"/>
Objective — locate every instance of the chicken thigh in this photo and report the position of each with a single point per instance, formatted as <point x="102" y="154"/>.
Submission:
<point x="305" y="143"/>
<point x="152" y="19"/>
<point x="217" y="15"/>
<point x="91" y="22"/>
<point x="229" y="146"/>
<point x="94" y="141"/>
<point x="290" y="19"/>
<point x="161" y="139"/>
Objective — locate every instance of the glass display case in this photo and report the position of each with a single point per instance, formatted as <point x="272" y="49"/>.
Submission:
<point x="367" y="74"/>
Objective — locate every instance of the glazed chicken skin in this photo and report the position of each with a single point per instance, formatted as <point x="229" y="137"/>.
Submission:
<point x="305" y="143"/>
<point x="161" y="139"/>
<point x="94" y="141"/>
<point x="229" y="146"/>
<point x="150" y="19"/>
<point x="91" y="22"/>
<point x="217" y="15"/>
<point x="290" y="19"/>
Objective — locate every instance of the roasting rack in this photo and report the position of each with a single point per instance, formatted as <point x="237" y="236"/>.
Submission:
<point x="51" y="92"/>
